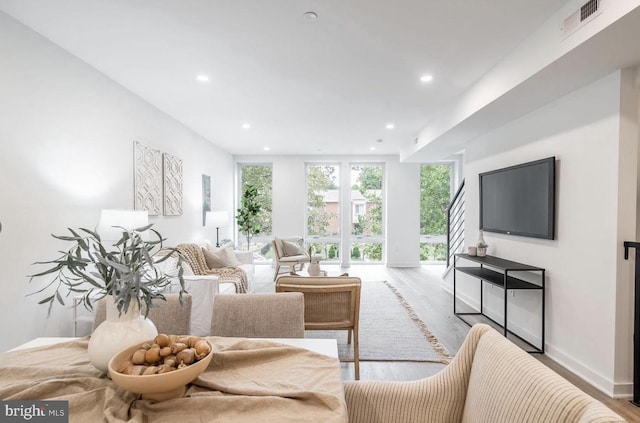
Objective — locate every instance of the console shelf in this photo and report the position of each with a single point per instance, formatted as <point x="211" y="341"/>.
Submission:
<point x="499" y="275"/>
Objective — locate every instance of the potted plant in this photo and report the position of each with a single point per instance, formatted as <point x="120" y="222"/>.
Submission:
<point x="482" y="249"/>
<point x="248" y="218"/>
<point x="124" y="272"/>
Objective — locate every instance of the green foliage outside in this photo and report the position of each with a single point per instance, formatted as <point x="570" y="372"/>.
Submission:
<point x="369" y="251"/>
<point x="369" y="184"/>
<point x="355" y="252"/>
<point x="260" y="177"/>
<point x="435" y="195"/>
<point x="433" y="252"/>
<point x="327" y="251"/>
<point x="320" y="178"/>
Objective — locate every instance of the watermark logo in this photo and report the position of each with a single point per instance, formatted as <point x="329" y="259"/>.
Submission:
<point x="34" y="411"/>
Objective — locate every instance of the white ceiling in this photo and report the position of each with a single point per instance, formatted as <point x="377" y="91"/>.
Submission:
<point x="327" y="86"/>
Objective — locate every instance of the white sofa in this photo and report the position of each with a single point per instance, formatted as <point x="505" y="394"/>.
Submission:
<point x="204" y="288"/>
<point x="246" y="264"/>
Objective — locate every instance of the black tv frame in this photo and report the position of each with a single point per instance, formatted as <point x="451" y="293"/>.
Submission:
<point x="551" y="216"/>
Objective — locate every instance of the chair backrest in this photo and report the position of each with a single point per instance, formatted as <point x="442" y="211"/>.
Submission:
<point x="169" y="316"/>
<point x="258" y="315"/>
<point x="329" y="302"/>
<point x="503" y="377"/>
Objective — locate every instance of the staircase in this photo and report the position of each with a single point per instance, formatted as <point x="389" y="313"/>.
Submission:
<point x="455" y="225"/>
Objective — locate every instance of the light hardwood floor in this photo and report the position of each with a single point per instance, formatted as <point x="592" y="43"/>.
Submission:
<point x="422" y="288"/>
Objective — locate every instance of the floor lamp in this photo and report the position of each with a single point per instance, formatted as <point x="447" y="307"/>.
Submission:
<point x="217" y="219"/>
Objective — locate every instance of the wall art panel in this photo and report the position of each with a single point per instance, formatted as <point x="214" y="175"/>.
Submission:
<point x="172" y="185"/>
<point x="147" y="179"/>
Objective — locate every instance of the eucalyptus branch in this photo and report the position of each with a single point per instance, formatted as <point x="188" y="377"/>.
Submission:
<point x="125" y="270"/>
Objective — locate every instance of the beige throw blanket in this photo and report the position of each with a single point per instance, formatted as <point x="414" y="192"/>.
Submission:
<point x="195" y="257"/>
<point x="247" y="381"/>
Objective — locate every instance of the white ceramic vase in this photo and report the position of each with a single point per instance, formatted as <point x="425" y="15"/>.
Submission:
<point x="118" y="332"/>
<point x="314" y="269"/>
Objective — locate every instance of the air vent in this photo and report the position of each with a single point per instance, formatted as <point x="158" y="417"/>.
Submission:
<point x="588" y="9"/>
<point x="580" y="17"/>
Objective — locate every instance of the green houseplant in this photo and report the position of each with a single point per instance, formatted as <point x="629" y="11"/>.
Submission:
<point x="125" y="271"/>
<point x="248" y="217"/>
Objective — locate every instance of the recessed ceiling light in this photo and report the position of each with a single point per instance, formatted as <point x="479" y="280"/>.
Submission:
<point x="372" y="148"/>
<point x="202" y="78"/>
<point x="310" y="16"/>
<point x="246" y="126"/>
<point x="390" y="126"/>
<point x="426" y="78"/>
<point x="267" y="149"/>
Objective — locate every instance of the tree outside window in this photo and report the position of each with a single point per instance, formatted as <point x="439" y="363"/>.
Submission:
<point x="435" y="195"/>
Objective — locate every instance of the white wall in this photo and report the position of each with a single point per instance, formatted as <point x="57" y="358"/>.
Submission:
<point x="66" y="152"/>
<point x="402" y="200"/>
<point x="587" y="322"/>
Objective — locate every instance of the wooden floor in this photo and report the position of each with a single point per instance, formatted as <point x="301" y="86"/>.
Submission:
<point x="422" y="288"/>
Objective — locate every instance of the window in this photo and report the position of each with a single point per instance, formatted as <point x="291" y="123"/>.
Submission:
<point x="366" y="203"/>
<point x="323" y="210"/>
<point x="435" y="195"/>
<point x="259" y="176"/>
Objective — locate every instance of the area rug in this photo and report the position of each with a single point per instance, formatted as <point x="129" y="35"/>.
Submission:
<point x="389" y="329"/>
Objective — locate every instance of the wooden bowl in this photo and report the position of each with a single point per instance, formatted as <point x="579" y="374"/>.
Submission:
<point x="159" y="387"/>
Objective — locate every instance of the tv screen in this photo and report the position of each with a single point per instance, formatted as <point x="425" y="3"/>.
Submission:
<point x="519" y="200"/>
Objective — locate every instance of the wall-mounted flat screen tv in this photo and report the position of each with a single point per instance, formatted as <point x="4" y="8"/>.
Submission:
<point x="519" y="200"/>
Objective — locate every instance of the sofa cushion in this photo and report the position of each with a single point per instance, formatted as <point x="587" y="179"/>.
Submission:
<point x="231" y="256"/>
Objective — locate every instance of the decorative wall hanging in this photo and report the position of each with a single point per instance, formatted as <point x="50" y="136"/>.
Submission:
<point x="148" y="179"/>
<point x="172" y="185"/>
<point x="206" y="197"/>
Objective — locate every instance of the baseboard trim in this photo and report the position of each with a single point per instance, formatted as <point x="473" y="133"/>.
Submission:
<point x="592" y="378"/>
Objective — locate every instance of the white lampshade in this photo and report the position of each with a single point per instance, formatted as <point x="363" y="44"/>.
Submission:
<point x="217" y="219"/>
<point x="111" y="222"/>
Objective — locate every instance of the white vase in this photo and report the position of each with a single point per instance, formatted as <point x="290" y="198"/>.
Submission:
<point x="314" y="269"/>
<point x="118" y="332"/>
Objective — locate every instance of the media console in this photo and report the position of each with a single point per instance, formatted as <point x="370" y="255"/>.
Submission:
<point x="498" y="272"/>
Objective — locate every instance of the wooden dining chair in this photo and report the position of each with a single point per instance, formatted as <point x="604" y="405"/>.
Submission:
<point x="330" y="303"/>
<point x="169" y="316"/>
<point x="258" y="315"/>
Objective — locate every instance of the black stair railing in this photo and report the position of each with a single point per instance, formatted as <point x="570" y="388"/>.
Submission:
<point x="636" y="321"/>
<point x="455" y="224"/>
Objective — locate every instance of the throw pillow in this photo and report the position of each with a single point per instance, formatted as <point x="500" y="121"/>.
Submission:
<point x="292" y="249"/>
<point x="215" y="260"/>
<point x="231" y="256"/>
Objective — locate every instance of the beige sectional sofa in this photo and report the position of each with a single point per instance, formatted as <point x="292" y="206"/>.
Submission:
<point x="490" y="380"/>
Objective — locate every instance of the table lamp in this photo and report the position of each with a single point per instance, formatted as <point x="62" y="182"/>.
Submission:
<point x="217" y="219"/>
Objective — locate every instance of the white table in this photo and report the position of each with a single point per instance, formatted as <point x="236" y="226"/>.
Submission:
<point x="321" y="346"/>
